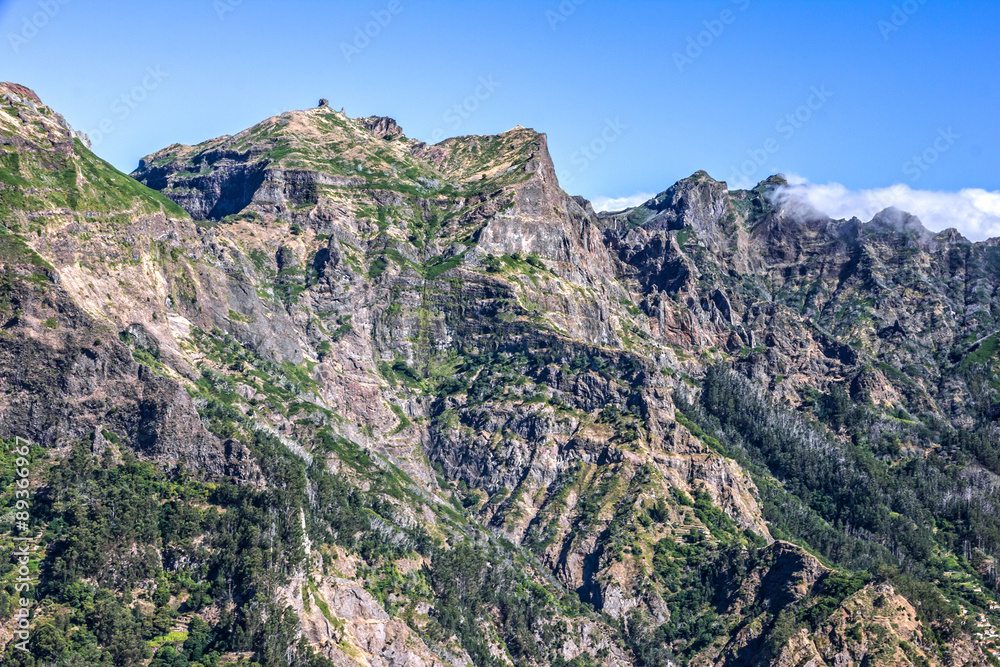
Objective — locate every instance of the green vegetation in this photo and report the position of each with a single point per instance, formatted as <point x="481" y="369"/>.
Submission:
<point x="404" y="421"/>
<point x="470" y="582"/>
<point x="14" y="251"/>
<point x="57" y="183"/>
<point x="435" y="267"/>
<point x="905" y="528"/>
<point x="377" y="268"/>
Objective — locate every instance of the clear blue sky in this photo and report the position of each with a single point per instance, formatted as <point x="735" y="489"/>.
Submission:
<point x="899" y="75"/>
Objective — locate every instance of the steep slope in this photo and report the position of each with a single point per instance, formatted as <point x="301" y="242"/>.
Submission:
<point x="128" y="308"/>
<point x="879" y="335"/>
<point x="527" y="295"/>
<point x="530" y="298"/>
<point x="415" y="405"/>
<point x="64" y="366"/>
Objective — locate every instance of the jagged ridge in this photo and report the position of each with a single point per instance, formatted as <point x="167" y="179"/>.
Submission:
<point x="446" y="323"/>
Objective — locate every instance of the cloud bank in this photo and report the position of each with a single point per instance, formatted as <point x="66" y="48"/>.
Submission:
<point x="602" y="204"/>
<point x="973" y="211"/>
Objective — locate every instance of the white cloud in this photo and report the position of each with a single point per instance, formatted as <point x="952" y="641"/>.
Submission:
<point x="973" y="211"/>
<point x="618" y="203"/>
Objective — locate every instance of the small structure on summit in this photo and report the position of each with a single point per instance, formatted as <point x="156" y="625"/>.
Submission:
<point x="323" y="102"/>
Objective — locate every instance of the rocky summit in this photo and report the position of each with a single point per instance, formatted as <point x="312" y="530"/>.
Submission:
<point x="320" y="394"/>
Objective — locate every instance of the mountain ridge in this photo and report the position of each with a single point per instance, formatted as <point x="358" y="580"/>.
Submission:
<point x="460" y="399"/>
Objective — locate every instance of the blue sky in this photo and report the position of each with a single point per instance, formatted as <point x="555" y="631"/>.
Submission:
<point x="632" y="95"/>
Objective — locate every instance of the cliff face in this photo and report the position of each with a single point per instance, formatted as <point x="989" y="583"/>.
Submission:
<point x="824" y="298"/>
<point x="475" y="402"/>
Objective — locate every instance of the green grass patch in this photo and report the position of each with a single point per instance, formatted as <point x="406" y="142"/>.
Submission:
<point x="404" y="421"/>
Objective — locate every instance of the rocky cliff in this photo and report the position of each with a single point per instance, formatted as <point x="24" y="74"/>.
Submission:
<point x="412" y="404"/>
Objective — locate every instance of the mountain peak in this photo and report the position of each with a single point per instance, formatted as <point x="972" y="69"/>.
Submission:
<point x="892" y="218"/>
<point x="30" y="118"/>
<point x="774" y="180"/>
<point x="302" y="166"/>
<point x="20" y="91"/>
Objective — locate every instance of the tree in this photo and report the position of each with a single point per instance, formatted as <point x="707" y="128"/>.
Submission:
<point x="168" y="656"/>
<point x="199" y="638"/>
<point x="47" y="643"/>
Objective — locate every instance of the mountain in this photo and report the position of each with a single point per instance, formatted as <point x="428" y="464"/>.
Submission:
<point x="318" y="393"/>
